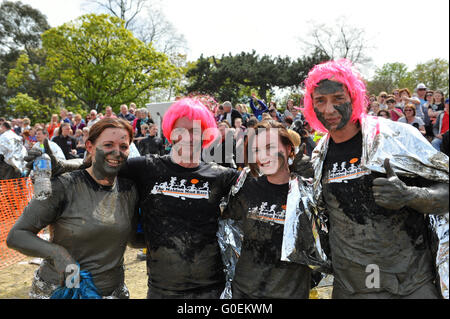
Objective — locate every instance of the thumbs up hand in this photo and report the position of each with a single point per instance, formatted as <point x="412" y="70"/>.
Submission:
<point x="390" y="192"/>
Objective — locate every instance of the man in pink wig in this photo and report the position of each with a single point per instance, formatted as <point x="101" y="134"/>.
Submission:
<point x="378" y="180"/>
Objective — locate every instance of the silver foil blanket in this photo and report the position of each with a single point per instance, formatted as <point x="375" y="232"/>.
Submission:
<point x="230" y="236"/>
<point x="230" y="241"/>
<point x="305" y="231"/>
<point x="411" y="155"/>
<point x="439" y="227"/>
<point x="11" y="147"/>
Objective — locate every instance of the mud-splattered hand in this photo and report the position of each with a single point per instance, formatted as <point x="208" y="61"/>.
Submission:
<point x="390" y="192"/>
<point x="61" y="260"/>
<point x="302" y="164"/>
<point x="63" y="166"/>
<point x="32" y="154"/>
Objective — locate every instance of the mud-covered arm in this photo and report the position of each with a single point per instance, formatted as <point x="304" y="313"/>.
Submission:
<point x="36" y="216"/>
<point x="302" y="164"/>
<point x="234" y="205"/>
<point x="134" y="167"/>
<point x="236" y="208"/>
<point x="58" y="166"/>
<point x="392" y="193"/>
<point x="136" y="239"/>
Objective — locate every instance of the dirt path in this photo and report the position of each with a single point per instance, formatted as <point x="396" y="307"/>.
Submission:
<point x="15" y="280"/>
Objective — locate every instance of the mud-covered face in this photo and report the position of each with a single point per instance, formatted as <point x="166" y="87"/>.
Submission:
<point x="269" y="152"/>
<point x="109" y="153"/>
<point x="332" y="104"/>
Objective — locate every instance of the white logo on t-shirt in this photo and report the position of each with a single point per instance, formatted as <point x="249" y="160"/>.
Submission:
<point x="346" y="171"/>
<point x="268" y="214"/>
<point x="181" y="190"/>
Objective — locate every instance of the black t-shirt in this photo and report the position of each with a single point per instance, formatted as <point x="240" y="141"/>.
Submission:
<point x="259" y="272"/>
<point x="180" y="220"/>
<point x="66" y="144"/>
<point x="437" y="107"/>
<point x="363" y="233"/>
<point x="151" y="145"/>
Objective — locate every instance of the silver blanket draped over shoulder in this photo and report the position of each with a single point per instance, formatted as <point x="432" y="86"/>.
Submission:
<point x="230" y="236"/>
<point x="303" y="227"/>
<point x="410" y="155"/>
<point x="11" y="146"/>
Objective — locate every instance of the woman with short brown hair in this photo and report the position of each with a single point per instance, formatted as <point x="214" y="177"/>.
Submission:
<point x="410" y="118"/>
<point x="261" y="205"/>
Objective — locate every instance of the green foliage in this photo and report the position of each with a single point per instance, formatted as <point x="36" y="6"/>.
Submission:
<point x="23" y="105"/>
<point x="21" y="27"/>
<point x="16" y="76"/>
<point x="176" y="82"/>
<point x="95" y="61"/>
<point x="434" y="73"/>
<point x="231" y="77"/>
<point x="390" y="76"/>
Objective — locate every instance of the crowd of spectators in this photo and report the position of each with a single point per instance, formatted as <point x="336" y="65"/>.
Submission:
<point x="425" y="109"/>
<point x="67" y="132"/>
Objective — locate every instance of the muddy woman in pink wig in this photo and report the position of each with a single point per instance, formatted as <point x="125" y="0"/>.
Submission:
<point x="378" y="237"/>
<point x="180" y="197"/>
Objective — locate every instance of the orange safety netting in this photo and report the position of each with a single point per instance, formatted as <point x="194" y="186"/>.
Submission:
<point x="14" y="197"/>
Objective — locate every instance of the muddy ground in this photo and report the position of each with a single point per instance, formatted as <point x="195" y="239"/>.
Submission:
<point x="15" y="280"/>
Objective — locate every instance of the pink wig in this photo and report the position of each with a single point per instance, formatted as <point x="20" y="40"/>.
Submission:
<point x="340" y="71"/>
<point x="194" y="110"/>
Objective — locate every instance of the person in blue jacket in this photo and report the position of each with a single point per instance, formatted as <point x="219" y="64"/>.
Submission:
<point x="258" y="111"/>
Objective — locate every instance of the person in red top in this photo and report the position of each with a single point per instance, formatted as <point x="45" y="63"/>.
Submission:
<point x="396" y="113"/>
<point x="109" y="113"/>
<point x="54" y="123"/>
<point x="440" y="127"/>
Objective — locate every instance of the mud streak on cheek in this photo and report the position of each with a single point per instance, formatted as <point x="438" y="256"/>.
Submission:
<point x="345" y="110"/>
<point x="282" y="160"/>
<point x="101" y="169"/>
<point x="321" y="118"/>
